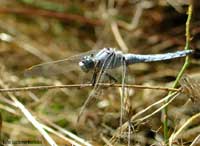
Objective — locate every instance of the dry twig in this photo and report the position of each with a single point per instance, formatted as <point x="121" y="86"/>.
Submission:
<point x="85" y="85"/>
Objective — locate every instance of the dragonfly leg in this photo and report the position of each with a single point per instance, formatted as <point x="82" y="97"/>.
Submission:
<point x="111" y="78"/>
<point x="94" y="77"/>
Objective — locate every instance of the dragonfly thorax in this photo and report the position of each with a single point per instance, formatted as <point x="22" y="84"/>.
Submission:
<point x="86" y="64"/>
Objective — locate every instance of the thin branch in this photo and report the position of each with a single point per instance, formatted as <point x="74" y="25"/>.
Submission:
<point x="85" y="85"/>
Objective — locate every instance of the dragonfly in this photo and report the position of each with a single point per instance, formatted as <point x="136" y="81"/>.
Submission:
<point x="101" y="63"/>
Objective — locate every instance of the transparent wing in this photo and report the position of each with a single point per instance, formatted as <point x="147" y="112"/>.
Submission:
<point x="57" y="67"/>
<point x="99" y="79"/>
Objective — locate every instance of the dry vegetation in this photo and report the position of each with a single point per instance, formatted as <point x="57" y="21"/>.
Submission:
<point x="36" y="31"/>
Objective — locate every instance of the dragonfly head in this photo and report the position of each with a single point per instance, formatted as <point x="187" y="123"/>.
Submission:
<point x="86" y="64"/>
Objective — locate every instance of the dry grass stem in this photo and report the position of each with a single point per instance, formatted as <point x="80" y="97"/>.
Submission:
<point x="31" y="119"/>
<point x="134" y="119"/>
<point x="175" y="134"/>
<point x="68" y="133"/>
<point x="172" y="96"/>
<point x="118" y="37"/>
<point x="69" y="141"/>
<point x="196" y="141"/>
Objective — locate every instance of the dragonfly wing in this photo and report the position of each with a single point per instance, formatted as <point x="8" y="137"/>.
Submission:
<point x="99" y="79"/>
<point x="51" y="68"/>
<point x="57" y="67"/>
<point x="94" y="94"/>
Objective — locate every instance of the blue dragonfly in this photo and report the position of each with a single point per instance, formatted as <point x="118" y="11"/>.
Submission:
<point x="101" y="62"/>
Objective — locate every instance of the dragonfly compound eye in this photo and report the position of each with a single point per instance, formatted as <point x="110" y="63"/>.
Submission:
<point x="86" y="64"/>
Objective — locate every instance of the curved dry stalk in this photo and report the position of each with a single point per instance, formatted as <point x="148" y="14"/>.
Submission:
<point x="152" y="105"/>
<point x="126" y="124"/>
<point x="135" y="19"/>
<point x="174" y="135"/>
<point x="173" y="95"/>
<point x="196" y="141"/>
<point x="118" y="37"/>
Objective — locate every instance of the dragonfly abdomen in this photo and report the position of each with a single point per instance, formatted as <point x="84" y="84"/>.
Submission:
<point x="137" y="58"/>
